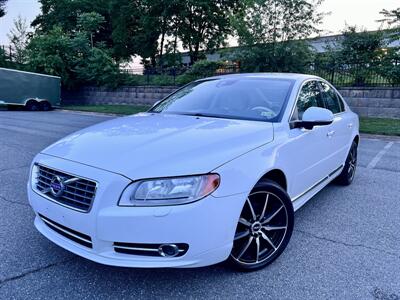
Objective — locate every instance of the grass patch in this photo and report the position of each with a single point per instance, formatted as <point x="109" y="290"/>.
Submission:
<point x="109" y="109"/>
<point x="380" y="126"/>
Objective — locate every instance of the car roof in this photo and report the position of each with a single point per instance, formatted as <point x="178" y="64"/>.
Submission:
<point x="292" y="76"/>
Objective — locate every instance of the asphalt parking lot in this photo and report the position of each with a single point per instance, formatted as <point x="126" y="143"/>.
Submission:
<point x="346" y="243"/>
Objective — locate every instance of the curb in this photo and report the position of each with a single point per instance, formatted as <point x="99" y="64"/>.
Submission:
<point x="90" y="113"/>
<point x="380" y="137"/>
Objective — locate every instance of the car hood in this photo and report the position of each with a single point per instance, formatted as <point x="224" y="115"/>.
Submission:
<point x="149" y="145"/>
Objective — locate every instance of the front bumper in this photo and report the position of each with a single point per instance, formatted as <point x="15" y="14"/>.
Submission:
<point x="207" y="226"/>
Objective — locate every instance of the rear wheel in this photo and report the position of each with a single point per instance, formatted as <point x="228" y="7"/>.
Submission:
<point x="264" y="229"/>
<point x="32" y="105"/>
<point x="45" y="106"/>
<point x="347" y="175"/>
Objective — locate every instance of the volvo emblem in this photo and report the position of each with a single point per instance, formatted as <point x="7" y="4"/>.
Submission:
<point x="57" y="186"/>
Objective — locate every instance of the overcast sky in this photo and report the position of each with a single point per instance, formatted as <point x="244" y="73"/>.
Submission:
<point x="353" y="12"/>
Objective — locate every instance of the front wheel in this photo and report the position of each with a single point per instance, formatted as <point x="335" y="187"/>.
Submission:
<point x="264" y="228"/>
<point x="347" y="175"/>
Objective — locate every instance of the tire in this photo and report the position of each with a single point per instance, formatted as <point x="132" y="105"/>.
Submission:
<point x="32" y="105"/>
<point x="346" y="177"/>
<point x="45" y="106"/>
<point x="264" y="227"/>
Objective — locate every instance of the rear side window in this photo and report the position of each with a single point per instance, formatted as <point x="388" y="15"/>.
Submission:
<point x="309" y="96"/>
<point x="332" y="99"/>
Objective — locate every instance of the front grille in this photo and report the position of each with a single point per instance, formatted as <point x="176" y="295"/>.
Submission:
<point x="73" y="235"/>
<point x="76" y="193"/>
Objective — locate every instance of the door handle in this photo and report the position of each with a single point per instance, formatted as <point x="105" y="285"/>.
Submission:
<point x="330" y="133"/>
<point x="350" y="125"/>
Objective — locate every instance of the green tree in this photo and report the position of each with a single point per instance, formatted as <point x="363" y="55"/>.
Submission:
<point x="271" y="33"/>
<point x="391" y="17"/>
<point x="98" y="68"/>
<point x="66" y="13"/>
<point x="71" y="56"/>
<point x="200" y="69"/>
<point x="18" y="37"/>
<point x="360" y="47"/>
<point x="357" y="53"/>
<point x="273" y="21"/>
<point x="135" y="29"/>
<point x="172" y="57"/>
<point x="90" y="23"/>
<point x="142" y="26"/>
<point x="53" y="53"/>
<point x="204" y="24"/>
<point x="2" y="7"/>
<point x="4" y="62"/>
<point x="389" y="67"/>
<point x="167" y="12"/>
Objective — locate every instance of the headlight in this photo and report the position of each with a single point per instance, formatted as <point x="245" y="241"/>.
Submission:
<point x="169" y="191"/>
<point x="34" y="175"/>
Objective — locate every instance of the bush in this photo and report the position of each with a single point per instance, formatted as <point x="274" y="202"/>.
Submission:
<point x="280" y="57"/>
<point x="3" y="59"/>
<point x="204" y="68"/>
<point x="200" y="69"/>
<point x="186" y="78"/>
<point x="99" y="69"/>
<point x="390" y="66"/>
<point x="162" y="80"/>
<point x="134" y="79"/>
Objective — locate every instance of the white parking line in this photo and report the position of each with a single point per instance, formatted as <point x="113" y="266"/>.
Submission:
<point x="378" y="157"/>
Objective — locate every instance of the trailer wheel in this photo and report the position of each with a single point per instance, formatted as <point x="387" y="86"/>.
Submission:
<point x="45" y="105"/>
<point x="32" y="105"/>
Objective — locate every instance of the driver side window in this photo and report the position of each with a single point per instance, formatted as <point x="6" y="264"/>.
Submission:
<point x="309" y="96"/>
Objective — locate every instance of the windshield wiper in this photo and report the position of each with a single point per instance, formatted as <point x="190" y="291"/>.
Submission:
<point x="194" y="114"/>
<point x="208" y="115"/>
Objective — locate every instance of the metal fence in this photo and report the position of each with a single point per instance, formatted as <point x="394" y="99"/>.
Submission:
<point x="359" y="75"/>
<point x="339" y="75"/>
<point x="8" y="51"/>
<point x="350" y="75"/>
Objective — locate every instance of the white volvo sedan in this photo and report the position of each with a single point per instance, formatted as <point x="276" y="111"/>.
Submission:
<point x="213" y="172"/>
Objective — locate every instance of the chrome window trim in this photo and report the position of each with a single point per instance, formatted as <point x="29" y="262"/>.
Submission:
<point x="318" y="80"/>
<point x="297" y="96"/>
<point x="62" y="204"/>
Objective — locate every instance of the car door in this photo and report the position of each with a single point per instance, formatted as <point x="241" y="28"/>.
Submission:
<point x="341" y="128"/>
<point x="308" y="149"/>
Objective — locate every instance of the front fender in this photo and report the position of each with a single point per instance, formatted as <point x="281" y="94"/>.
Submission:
<point x="242" y="174"/>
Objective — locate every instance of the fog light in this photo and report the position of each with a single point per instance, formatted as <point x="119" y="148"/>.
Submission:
<point x="168" y="250"/>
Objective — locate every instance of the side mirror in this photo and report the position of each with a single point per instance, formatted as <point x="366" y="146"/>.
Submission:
<point x="315" y="116"/>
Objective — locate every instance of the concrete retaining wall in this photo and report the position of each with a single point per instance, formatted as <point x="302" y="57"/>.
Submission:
<point x="145" y="95"/>
<point x="371" y="102"/>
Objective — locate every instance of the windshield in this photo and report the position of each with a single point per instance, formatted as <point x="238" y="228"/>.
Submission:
<point x="261" y="99"/>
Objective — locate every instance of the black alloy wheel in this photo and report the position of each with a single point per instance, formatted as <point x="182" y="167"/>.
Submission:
<point x="346" y="177"/>
<point x="264" y="228"/>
